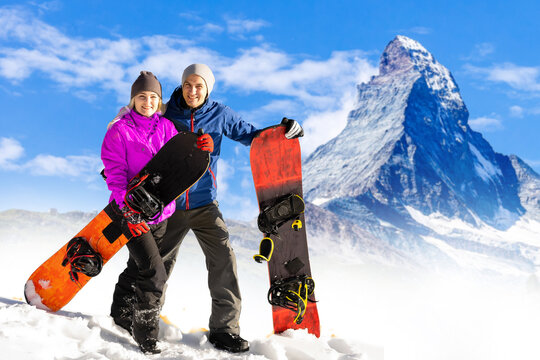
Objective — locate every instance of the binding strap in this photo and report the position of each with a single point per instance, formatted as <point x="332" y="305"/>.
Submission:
<point x="82" y="259"/>
<point x="280" y="210"/>
<point x="140" y="201"/>
<point x="293" y="294"/>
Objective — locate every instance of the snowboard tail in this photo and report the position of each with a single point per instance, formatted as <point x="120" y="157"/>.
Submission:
<point x="277" y="175"/>
<point x="293" y="294"/>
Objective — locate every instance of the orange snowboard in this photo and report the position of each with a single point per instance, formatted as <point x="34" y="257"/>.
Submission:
<point x="50" y="287"/>
<point x="176" y="167"/>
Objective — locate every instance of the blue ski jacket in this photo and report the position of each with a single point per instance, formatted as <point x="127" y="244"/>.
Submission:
<point x="216" y="120"/>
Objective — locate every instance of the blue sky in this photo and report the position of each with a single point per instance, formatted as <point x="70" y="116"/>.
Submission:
<point x="67" y="66"/>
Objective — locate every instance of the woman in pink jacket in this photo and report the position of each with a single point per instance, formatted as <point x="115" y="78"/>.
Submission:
<point x="129" y="144"/>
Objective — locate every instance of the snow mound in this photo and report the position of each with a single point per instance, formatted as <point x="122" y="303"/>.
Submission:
<point x="29" y="333"/>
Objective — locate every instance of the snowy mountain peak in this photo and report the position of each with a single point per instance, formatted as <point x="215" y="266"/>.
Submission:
<point x="399" y="55"/>
<point x="406" y="145"/>
<point x="404" y="54"/>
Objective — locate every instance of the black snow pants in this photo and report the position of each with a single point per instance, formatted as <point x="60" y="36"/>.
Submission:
<point x="136" y="299"/>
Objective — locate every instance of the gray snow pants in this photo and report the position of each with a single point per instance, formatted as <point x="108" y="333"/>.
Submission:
<point x="211" y="232"/>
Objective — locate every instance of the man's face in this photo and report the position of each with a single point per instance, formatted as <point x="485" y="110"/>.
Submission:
<point x="194" y="91"/>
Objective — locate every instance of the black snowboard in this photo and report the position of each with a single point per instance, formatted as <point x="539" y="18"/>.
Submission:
<point x="175" y="168"/>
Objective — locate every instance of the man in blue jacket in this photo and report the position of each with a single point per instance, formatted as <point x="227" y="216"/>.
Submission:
<point x="191" y="109"/>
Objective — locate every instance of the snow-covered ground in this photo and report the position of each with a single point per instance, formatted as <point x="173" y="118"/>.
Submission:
<point x="368" y="311"/>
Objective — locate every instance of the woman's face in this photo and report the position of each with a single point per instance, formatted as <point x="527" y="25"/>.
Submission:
<point x="146" y="103"/>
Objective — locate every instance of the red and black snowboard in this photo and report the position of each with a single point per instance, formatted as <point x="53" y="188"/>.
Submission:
<point x="277" y="174"/>
<point x="176" y="167"/>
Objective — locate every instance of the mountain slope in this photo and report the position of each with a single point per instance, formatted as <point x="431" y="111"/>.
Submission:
<point x="407" y="150"/>
<point x="407" y="142"/>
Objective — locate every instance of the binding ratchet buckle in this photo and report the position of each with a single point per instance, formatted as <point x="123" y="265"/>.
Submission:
<point x="140" y="201"/>
<point x="293" y="294"/>
<point x="82" y="259"/>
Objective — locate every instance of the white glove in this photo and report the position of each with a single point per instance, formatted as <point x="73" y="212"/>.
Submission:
<point x="293" y="128"/>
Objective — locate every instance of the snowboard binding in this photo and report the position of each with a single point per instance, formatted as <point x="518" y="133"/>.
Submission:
<point x="82" y="259"/>
<point x="283" y="209"/>
<point x="293" y="294"/>
<point x="140" y="201"/>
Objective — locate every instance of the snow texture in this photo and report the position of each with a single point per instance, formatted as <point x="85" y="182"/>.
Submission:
<point x="32" y="297"/>
<point x="372" y="307"/>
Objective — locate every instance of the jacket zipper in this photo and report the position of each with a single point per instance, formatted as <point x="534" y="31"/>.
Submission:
<point x="211" y="172"/>
<point x="192" y="130"/>
<point x="213" y="177"/>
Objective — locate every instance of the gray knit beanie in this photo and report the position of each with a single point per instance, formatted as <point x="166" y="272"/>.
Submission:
<point x="203" y="71"/>
<point x="146" y="82"/>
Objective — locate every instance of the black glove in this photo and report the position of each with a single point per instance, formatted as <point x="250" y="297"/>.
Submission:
<point x="293" y="129"/>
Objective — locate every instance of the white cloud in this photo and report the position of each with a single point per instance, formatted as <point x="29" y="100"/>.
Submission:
<point x="325" y="88"/>
<point x="191" y="16"/>
<point x="72" y="63"/>
<point x="321" y="127"/>
<point x="421" y="30"/>
<point x="236" y="27"/>
<point x="516" y="111"/>
<point x="304" y="86"/>
<point x="207" y="28"/>
<point x="247" y="183"/>
<point x="113" y="64"/>
<point x="276" y="109"/>
<point x="484" y="49"/>
<point x="318" y="84"/>
<point x="72" y="166"/>
<point x="523" y="78"/>
<point x="519" y="77"/>
<point x="243" y="26"/>
<point x="226" y="172"/>
<point x="79" y="166"/>
<point x="238" y="207"/>
<point x="480" y="51"/>
<point x="10" y="150"/>
<point x="46" y="6"/>
<point x="418" y="30"/>
<point x="241" y="206"/>
<point x="485" y="123"/>
<point x="533" y="163"/>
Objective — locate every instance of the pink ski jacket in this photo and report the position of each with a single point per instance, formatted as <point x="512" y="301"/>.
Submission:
<point x="128" y="145"/>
